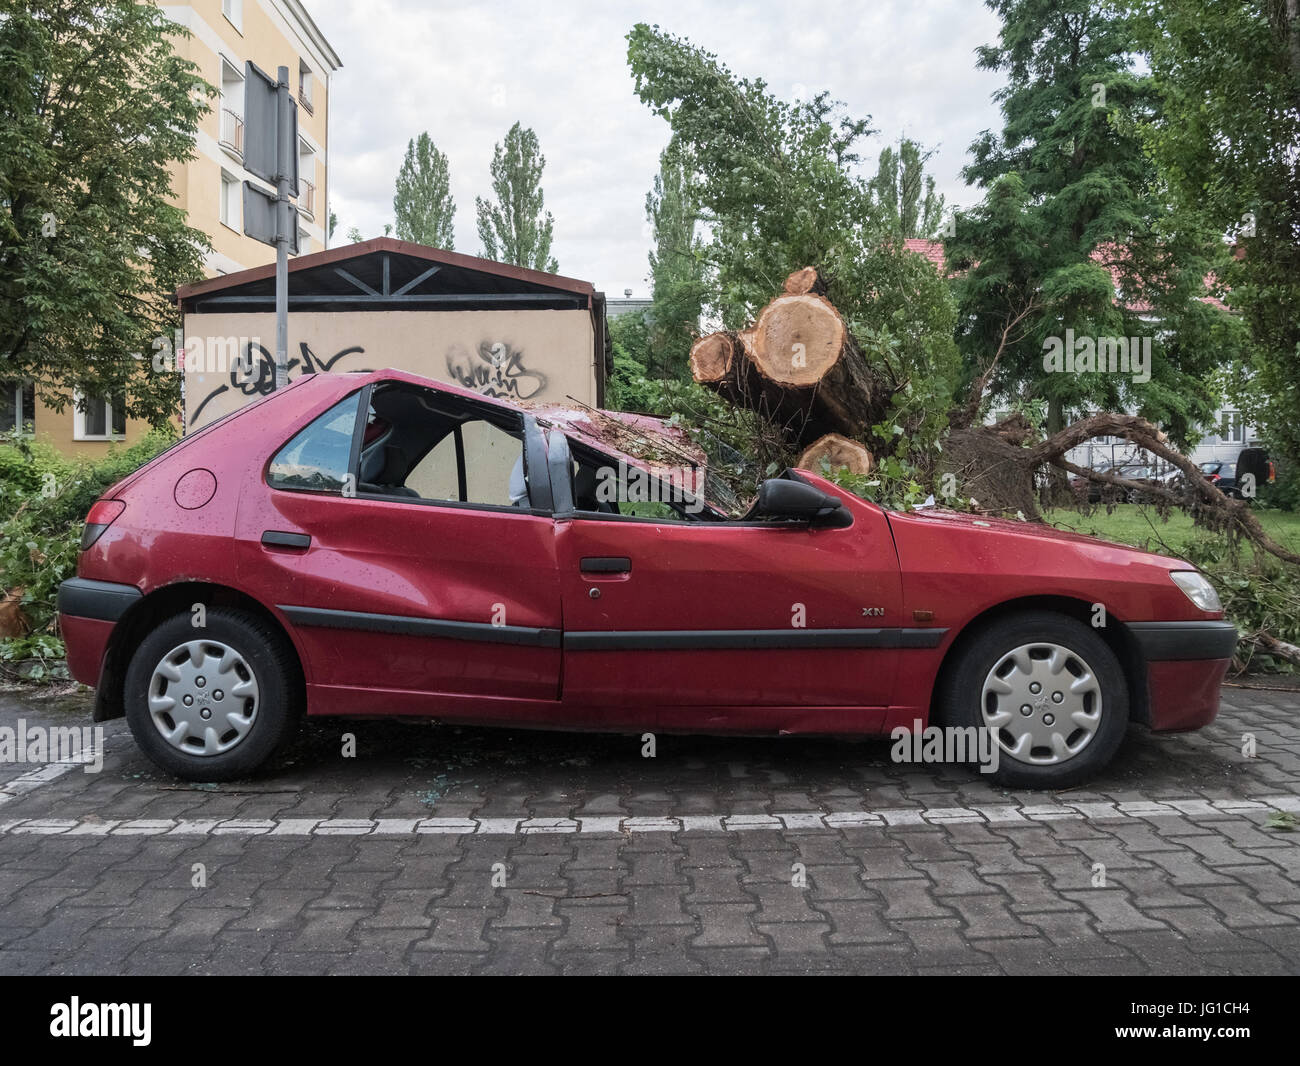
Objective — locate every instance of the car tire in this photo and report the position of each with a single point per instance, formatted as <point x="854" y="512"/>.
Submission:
<point x="996" y="670"/>
<point x="232" y="687"/>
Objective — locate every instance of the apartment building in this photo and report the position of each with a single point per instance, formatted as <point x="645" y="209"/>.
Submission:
<point x="272" y="33"/>
<point x="223" y="34"/>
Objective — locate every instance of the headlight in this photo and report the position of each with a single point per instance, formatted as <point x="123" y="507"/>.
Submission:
<point x="1198" y="589"/>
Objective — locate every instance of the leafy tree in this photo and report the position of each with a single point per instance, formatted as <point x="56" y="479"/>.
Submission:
<point x="1073" y="233"/>
<point x="423" y="207"/>
<point x="96" y="111"/>
<point x="778" y="188"/>
<point x="629" y="386"/>
<point x="517" y="228"/>
<point x="776" y="181"/>
<point x="1228" y="75"/>
<point x="354" y="235"/>
<point x="677" y="264"/>
<point x="906" y="193"/>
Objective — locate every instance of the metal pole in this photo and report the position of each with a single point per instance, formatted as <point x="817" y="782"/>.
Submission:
<point x="283" y="222"/>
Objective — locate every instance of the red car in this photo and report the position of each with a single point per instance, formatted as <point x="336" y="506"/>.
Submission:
<point x="379" y="544"/>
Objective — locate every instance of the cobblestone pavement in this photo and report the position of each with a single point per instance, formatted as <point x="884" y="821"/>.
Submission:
<point x="447" y="850"/>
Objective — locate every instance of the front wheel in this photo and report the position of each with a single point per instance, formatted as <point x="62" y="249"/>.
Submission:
<point x="212" y="703"/>
<point x="1051" y="692"/>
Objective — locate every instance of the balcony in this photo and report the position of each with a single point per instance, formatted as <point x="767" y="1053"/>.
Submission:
<point x="232" y="133"/>
<point x="306" y="199"/>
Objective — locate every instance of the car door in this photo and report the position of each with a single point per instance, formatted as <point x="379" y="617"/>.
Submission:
<point x="406" y="598"/>
<point x="685" y="613"/>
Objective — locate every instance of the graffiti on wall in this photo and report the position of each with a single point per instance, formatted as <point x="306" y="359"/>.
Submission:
<point x="498" y="371"/>
<point x="254" y="373"/>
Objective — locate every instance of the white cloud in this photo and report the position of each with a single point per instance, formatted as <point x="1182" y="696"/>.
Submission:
<point x="465" y="73"/>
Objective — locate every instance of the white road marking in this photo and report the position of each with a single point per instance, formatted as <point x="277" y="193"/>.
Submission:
<point x="1002" y="815"/>
<point x="41" y="775"/>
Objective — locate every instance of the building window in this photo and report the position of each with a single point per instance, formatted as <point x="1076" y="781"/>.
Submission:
<point x="305" y="85"/>
<point x="1232" y="429"/>
<point x="232" y="110"/>
<point x="230" y="200"/>
<point x="234" y="12"/>
<point x="304" y="242"/>
<point x="306" y="180"/>
<point x="17" y="406"/>
<point x="97" y="418"/>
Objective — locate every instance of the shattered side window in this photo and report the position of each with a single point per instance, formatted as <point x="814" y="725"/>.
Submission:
<point x="317" y="458"/>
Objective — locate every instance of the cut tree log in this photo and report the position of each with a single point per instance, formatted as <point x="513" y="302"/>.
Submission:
<point x="797" y="366"/>
<point x="838" y="452"/>
<point x="805" y="281"/>
<point x="714" y="358"/>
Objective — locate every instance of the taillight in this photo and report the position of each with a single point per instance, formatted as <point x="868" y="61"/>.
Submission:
<point x="1214" y="477"/>
<point x="102" y="515"/>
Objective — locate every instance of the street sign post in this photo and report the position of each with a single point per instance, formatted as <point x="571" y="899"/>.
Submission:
<point x="271" y="153"/>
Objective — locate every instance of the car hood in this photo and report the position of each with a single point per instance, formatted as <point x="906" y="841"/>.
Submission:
<point x="1038" y="532"/>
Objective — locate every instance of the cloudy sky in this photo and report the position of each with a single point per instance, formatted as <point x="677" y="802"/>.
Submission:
<point x="466" y="72"/>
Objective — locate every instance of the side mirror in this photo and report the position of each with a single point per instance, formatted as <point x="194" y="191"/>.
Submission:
<point x="782" y="498"/>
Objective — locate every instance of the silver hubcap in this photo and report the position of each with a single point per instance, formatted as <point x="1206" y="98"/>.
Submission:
<point x="1043" y="703"/>
<point x="203" y="697"/>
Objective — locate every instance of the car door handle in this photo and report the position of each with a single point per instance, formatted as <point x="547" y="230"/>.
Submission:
<point x="275" y="538"/>
<point x="606" y="564"/>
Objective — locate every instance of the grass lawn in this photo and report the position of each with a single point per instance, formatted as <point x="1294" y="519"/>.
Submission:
<point x="1131" y="523"/>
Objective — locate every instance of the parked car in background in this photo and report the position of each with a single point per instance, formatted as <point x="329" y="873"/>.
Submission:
<point x="379" y="544"/>
<point x="1222" y="474"/>
<point x="1099" y="492"/>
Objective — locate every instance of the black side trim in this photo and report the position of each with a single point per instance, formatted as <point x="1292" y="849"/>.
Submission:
<point x="277" y="538"/>
<point x="1180" y="641"/>
<point x="739" y="639"/>
<point x="106" y="601"/>
<point x="408" y="625"/>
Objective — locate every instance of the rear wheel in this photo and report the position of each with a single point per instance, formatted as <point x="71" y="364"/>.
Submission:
<point x="1049" y="689"/>
<point x="212" y="703"/>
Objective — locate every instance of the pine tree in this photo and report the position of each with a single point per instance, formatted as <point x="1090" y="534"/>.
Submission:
<point x="1072" y="233"/>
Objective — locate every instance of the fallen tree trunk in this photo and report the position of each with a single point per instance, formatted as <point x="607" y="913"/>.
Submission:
<point x="1270" y="645"/>
<point x="838" y="452"/>
<point x="799" y="367"/>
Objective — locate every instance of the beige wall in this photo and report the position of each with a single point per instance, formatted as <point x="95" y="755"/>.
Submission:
<point x="545" y="356"/>
<point x="57" y="428"/>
